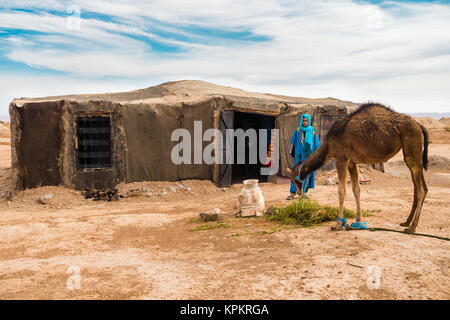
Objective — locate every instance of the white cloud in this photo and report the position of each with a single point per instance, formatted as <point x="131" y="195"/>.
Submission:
<point x="398" y="54"/>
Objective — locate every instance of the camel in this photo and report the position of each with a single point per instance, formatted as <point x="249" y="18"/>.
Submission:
<point x="373" y="133"/>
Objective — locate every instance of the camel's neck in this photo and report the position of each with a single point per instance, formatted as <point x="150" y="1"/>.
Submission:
<point x="315" y="161"/>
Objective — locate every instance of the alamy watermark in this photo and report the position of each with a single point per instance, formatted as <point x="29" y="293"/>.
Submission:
<point x="374" y="277"/>
<point x="250" y="144"/>
<point x="74" y="18"/>
<point x="74" y="280"/>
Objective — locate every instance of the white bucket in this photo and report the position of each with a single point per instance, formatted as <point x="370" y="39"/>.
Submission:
<point x="251" y="196"/>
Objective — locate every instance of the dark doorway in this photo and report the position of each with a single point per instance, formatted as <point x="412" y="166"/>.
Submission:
<point x="236" y="173"/>
<point x="94" y="142"/>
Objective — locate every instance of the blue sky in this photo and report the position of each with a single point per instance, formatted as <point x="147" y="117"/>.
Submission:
<point x="395" y="52"/>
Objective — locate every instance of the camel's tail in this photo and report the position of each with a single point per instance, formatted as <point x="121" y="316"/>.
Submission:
<point x="425" y="147"/>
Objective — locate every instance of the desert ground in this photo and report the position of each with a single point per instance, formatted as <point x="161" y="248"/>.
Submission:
<point x="156" y="247"/>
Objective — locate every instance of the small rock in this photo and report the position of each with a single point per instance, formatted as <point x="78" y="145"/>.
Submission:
<point x="148" y="194"/>
<point x="216" y="210"/>
<point x="211" y="215"/>
<point x="163" y="193"/>
<point x="271" y="210"/>
<point x="180" y="186"/>
<point x="260" y="250"/>
<point x="281" y="241"/>
<point x="170" y="189"/>
<point x="224" y="189"/>
<point x="247" y="225"/>
<point x="364" y="179"/>
<point x="144" y="190"/>
<point x="5" y="195"/>
<point x="46" y="199"/>
<point x="192" y="192"/>
<point x="187" y="189"/>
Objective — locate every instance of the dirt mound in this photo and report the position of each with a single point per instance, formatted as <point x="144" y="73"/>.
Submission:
<point x="4" y="130"/>
<point x="439" y="162"/>
<point x="445" y="122"/>
<point x="430" y="123"/>
<point x="190" y="91"/>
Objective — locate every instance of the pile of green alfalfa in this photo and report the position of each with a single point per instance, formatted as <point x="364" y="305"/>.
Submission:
<point x="309" y="214"/>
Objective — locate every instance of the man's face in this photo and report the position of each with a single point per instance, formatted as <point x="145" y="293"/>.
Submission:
<point x="305" y="121"/>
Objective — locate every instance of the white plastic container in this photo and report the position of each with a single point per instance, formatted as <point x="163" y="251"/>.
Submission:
<point x="251" y="199"/>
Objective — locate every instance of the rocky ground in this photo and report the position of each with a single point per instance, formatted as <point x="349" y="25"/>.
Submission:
<point x="153" y="245"/>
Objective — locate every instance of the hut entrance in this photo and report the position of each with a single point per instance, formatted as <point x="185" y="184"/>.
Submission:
<point x="232" y="171"/>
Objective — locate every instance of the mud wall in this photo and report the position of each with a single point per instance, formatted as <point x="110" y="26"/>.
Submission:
<point x="147" y="138"/>
<point x="148" y="130"/>
<point x="97" y="178"/>
<point x="44" y="145"/>
<point x="36" y="135"/>
<point x="203" y="112"/>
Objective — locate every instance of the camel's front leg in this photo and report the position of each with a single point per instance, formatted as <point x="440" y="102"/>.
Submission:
<point x="341" y="167"/>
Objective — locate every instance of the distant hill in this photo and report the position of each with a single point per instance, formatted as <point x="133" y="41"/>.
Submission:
<point x="434" y="115"/>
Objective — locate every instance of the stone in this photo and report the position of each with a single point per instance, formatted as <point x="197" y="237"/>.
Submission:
<point x="364" y="179"/>
<point x="144" y="190"/>
<point x="211" y="215"/>
<point x="5" y="195"/>
<point x="163" y="193"/>
<point x="271" y="210"/>
<point x="148" y="194"/>
<point x="187" y="189"/>
<point x="224" y="189"/>
<point x="192" y="193"/>
<point x="46" y="199"/>
<point x="170" y="189"/>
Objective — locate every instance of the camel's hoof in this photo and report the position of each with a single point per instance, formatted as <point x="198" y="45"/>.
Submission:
<point x="404" y="224"/>
<point x="408" y="230"/>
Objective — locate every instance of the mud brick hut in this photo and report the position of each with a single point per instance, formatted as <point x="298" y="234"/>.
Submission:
<point x="99" y="140"/>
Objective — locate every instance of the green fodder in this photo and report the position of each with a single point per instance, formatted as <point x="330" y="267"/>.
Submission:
<point x="209" y="226"/>
<point x="309" y="214"/>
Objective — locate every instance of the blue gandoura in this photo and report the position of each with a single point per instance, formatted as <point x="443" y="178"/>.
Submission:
<point x="304" y="142"/>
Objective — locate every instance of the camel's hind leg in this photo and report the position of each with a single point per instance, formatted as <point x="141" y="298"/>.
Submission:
<point x="342" y="168"/>
<point x="413" y="157"/>
<point x="354" y="175"/>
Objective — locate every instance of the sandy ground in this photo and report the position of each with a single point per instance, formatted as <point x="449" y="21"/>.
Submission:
<point x="147" y="247"/>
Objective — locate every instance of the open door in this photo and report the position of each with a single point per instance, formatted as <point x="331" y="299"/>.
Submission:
<point x="225" y="169"/>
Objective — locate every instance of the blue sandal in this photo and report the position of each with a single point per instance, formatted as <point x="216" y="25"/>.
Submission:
<point x="359" y="225"/>
<point x="344" y="221"/>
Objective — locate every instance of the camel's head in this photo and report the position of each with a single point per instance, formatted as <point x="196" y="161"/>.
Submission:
<point x="298" y="184"/>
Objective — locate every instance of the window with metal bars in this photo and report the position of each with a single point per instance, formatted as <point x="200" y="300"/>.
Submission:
<point x="93" y="142"/>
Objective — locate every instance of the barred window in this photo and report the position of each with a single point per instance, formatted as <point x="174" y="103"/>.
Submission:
<point x="94" y="142"/>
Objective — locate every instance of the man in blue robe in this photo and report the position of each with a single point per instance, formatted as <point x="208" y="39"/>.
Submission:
<point x="304" y="142"/>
